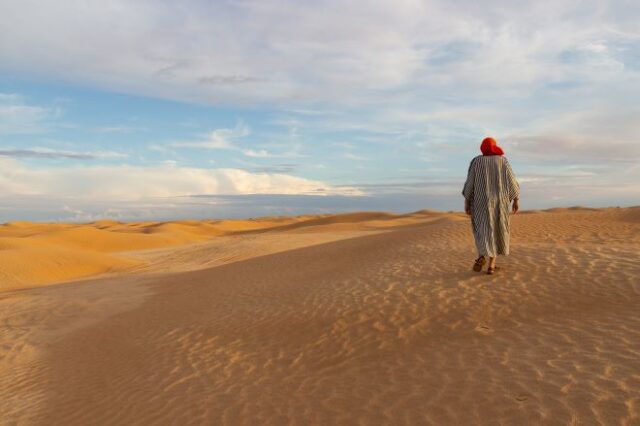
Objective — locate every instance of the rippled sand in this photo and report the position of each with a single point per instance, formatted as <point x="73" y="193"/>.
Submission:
<point x="349" y="319"/>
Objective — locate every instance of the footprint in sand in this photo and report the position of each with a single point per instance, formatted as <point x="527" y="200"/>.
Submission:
<point x="522" y="397"/>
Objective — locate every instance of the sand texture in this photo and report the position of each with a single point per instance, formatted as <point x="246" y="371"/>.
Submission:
<point x="366" y="318"/>
<point x="63" y="252"/>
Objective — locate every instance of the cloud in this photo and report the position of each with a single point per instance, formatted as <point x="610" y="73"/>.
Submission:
<point x="43" y="208"/>
<point x="276" y="168"/>
<point x="30" y="153"/>
<point x="352" y="156"/>
<point x="19" y="117"/>
<point x="127" y="182"/>
<point x="167" y="191"/>
<point x="117" y="129"/>
<point x="47" y="153"/>
<point x="602" y="134"/>
<point x="216" y="139"/>
<point x="168" y="50"/>
<point x="230" y="139"/>
<point x="227" y="79"/>
<point x="501" y="59"/>
<point x="261" y="153"/>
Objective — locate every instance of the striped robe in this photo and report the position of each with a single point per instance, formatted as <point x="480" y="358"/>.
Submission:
<point x="490" y="188"/>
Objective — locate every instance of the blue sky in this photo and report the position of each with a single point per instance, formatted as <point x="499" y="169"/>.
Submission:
<point x="163" y="110"/>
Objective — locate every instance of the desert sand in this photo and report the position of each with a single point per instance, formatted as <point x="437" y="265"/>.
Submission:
<point x="365" y="318"/>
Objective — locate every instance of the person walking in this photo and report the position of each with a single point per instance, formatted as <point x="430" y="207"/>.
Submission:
<point x="490" y="189"/>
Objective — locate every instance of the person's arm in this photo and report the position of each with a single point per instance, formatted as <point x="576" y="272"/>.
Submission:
<point x="467" y="191"/>
<point x="514" y="187"/>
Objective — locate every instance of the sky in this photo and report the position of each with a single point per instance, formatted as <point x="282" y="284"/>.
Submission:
<point x="159" y="110"/>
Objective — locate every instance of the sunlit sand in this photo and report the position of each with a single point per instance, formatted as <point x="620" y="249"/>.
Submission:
<point x="364" y="318"/>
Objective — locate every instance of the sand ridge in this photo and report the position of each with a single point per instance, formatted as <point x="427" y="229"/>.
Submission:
<point x="381" y="327"/>
<point x="63" y="252"/>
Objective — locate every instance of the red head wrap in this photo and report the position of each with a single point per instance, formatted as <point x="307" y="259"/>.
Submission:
<point x="490" y="147"/>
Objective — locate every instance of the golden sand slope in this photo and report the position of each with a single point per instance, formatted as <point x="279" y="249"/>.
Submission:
<point x="33" y="254"/>
<point x="386" y="328"/>
<point x="39" y="254"/>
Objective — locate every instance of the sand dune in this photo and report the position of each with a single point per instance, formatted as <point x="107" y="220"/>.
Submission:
<point x="345" y="319"/>
<point x="62" y="252"/>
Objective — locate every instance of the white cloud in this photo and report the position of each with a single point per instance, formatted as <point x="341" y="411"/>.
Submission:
<point x="352" y="156"/>
<point x="17" y="116"/>
<point x="426" y="56"/>
<point x="217" y="52"/>
<point x="261" y="153"/>
<point x="230" y="139"/>
<point x="216" y="139"/>
<point x="127" y="182"/>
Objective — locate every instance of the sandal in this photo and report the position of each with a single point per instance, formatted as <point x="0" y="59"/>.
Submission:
<point x="491" y="271"/>
<point x="479" y="263"/>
